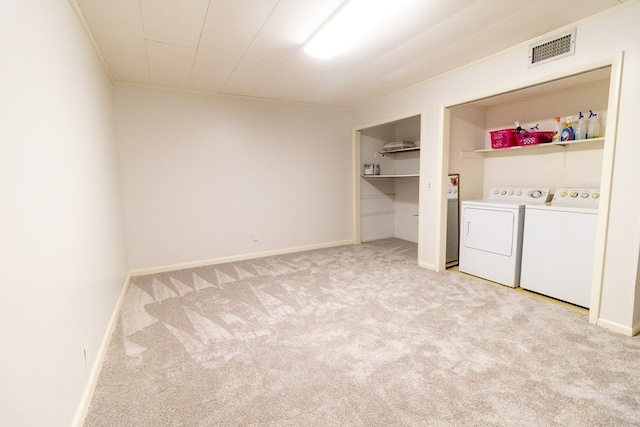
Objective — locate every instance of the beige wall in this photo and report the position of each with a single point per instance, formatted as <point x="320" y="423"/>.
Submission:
<point x="202" y="173"/>
<point x="62" y="245"/>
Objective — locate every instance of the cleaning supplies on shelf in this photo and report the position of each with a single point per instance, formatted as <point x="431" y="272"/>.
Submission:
<point x="556" y="132"/>
<point x="568" y="132"/>
<point x="593" y="127"/>
<point x="580" y="128"/>
<point x="519" y="128"/>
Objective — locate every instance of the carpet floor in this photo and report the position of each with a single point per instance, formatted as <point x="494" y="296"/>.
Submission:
<point x="357" y="335"/>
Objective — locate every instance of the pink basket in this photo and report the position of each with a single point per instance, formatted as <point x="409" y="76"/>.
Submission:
<point x="503" y="138"/>
<point x="533" y="138"/>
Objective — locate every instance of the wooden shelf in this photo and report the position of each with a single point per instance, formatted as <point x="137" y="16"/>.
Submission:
<point x="391" y="176"/>
<point x="399" y="150"/>
<point x="563" y="144"/>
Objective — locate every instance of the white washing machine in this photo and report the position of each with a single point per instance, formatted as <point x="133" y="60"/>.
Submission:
<point x="491" y="233"/>
<point x="559" y="246"/>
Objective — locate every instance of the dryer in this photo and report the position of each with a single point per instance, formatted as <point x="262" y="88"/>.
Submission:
<point x="559" y="246"/>
<point x="491" y="233"/>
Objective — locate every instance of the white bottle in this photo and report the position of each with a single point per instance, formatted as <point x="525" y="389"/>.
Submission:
<point x="580" y="127"/>
<point x="556" y="132"/>
<point x="593" y="128"/>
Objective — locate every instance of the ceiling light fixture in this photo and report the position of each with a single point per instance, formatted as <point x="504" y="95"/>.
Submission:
<point x="350" y="25"/>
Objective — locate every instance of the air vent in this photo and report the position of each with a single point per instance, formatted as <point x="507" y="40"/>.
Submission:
<point x="551" y="49"/>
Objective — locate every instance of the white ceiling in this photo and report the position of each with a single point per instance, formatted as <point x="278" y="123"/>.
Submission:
<point x="255" y="47"/>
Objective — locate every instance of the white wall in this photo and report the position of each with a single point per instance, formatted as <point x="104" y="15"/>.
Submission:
<point x="467" y="128"/>
<point x="62" y="245"/>
<point x="377" y="195"/>
<point x="599" y="37"/>
<point x="201" y="173"/>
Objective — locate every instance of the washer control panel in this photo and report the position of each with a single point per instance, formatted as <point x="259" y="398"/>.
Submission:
<point x="520" y="194"/>
<point x="577" y="196"/>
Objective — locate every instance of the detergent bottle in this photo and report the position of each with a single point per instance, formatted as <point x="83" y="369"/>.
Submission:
<point x="593" y="127"/>
<point x="556" y="132"/>
<point x="567" y="133"/>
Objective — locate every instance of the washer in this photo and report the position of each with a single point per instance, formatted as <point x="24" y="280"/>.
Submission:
<point x="559" y="246"/>
<point x="491" y="233"/>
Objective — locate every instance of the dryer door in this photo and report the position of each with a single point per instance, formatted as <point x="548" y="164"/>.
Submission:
<point x="488" y="230"/>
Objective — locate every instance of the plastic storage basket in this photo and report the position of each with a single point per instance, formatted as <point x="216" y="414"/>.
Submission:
<point x="533" y="138"/>
<point x="503" y="138"/>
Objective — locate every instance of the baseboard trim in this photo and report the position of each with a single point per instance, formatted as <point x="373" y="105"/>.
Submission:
<point x="243" y="257"/>
<point x="90" y="387"/>
<point x="616" y="327"/>
<point x="427" y="266"/>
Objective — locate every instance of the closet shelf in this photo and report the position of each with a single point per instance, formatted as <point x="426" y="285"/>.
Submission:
<point x="399" y="150"/>
<point x="391" y="176"/>
<point x="582" y="142"/>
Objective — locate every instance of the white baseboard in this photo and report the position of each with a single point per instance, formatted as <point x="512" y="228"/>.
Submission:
<point x="243" y="257"/>
<point x="427" y="266"/>
<point x="616" y="327"/>
<point x="90" y="387"/>
<point x="373" y="239"/>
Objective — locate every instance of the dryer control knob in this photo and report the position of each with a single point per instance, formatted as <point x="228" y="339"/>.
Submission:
<point x="584" y="195"/>
<point x="574" y="194"/>
<point x="563" y="194"/>
<point x="596" y="195"/>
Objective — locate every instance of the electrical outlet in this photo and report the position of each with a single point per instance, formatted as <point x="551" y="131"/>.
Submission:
<point x="255" y="236"/>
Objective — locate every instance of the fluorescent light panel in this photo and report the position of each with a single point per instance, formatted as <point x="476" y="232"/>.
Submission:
<point x="352" y="24"/>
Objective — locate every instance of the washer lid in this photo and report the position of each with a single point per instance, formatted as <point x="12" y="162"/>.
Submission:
<point x="495" y="204"/>
<point x="562" y="207"/>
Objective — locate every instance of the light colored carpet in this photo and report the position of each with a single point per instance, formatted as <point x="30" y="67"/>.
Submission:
<point x="354" y="336"/>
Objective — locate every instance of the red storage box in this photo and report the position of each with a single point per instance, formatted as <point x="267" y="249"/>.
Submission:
<point x="533" y="138"/>
<point x="503" y="138"/>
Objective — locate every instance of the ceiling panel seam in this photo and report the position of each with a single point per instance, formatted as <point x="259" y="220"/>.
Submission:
<point x="146" y="47"/>
<point x="206" y="14"/>
<point x="249" y="46"/>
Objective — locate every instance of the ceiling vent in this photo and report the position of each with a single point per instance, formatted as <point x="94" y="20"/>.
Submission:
<point x="553" y="48"/>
